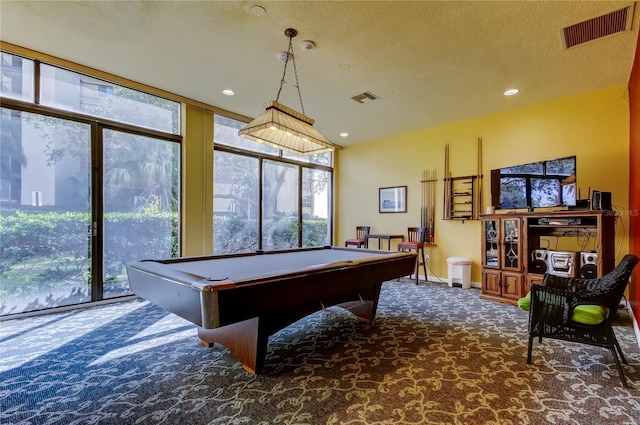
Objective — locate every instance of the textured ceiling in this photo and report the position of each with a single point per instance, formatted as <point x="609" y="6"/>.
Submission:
<point x="429" y="62"/>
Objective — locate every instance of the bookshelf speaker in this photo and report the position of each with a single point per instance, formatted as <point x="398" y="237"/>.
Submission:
<point x="588" y="265"/>
<point x="538" y="261"/>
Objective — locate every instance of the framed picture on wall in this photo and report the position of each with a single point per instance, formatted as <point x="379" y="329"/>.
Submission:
<point x="393" y="199"/>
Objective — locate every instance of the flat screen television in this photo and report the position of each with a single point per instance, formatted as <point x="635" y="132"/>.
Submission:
<point x="548" y="183"/>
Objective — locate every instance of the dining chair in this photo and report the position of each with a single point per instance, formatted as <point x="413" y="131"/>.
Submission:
<point x="415" y="242"/>
<point x="361" y="237"/>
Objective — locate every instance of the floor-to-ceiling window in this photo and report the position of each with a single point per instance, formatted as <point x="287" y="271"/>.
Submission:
<point x="140" y="203"/>
<point x="89" y="180"/>
<point x="236" y="209"/>
<point x="280" y="195"/>
<point x="316" y="202"/>
<point x="265" y="198"/>
<point x="45" y="247"/>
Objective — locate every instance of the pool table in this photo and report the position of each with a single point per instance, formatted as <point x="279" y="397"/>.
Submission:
<point x="240" y="300"/>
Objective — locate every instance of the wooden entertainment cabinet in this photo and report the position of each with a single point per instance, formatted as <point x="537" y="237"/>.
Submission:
<point x="510" y="242"/>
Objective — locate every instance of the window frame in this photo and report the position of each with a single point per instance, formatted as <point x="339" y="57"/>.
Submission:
<point x="97" y="124"/>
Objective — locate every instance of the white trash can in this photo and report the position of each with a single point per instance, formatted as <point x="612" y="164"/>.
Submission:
<point x="459" y="270"/>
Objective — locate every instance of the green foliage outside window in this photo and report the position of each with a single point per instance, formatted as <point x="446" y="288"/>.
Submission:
<point x="53" y="248"/>
<point x="235" y="234"/>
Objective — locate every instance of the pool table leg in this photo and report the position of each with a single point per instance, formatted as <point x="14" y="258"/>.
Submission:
<point x="365" y="310"/>
<point x="243" y="340"/>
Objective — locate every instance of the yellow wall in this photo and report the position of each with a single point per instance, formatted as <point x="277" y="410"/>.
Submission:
<point x="592" y="126"/>
<point x="197" y="181"/>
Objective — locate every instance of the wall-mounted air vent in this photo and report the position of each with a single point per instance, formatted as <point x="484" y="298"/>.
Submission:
<point x="598" y="27"/>
<point x="365" y="97"/>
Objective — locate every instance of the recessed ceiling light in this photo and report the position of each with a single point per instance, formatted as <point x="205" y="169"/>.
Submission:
<point x="257" y="10"/>
<point x="344" y="134"/>
<point x="228" y="92"/>
<point x="307" y="45"/>
<point x="511" y="92"/>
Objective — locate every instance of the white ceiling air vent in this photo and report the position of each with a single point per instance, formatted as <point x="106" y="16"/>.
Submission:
<point x="365" y="97"/>
<point x="598" y="27"/>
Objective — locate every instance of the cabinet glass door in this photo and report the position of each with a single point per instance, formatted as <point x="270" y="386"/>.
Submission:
<point x="511" y="244"/>
<point x="490" y="253"/>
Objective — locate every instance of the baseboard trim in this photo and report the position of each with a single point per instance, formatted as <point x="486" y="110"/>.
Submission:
<point x="636" y="329"/>
<point x="66" y="308"/>
<point x="434" y="279"/>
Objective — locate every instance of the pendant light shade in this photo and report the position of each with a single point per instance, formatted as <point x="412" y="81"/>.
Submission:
<point x="285" y="128"/>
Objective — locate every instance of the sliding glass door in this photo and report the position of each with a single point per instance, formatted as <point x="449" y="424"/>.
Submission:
<point x="45" y="195"/>
<point x="89" y="181"/>
<point x="47" y="222"/>
<point x="140" y="201"/>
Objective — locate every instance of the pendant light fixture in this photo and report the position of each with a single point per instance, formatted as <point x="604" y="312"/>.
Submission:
<point x="283" y="127"/>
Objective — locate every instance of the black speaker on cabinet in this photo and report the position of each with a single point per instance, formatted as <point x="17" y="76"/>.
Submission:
<point x="538" y="261"/>
<point x="588" y="265"/>
<point x="601" y="201"/>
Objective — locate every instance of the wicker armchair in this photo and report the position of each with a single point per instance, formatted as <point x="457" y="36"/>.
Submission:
<point x="552" y="314"/>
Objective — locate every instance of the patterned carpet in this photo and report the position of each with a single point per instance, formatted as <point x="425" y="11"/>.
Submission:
<point x="435" y="355"/>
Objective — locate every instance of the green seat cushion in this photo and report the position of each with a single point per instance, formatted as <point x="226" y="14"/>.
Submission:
<point x="589" y="314"/>
<point x="585" y="314"/>
<point x="525" y="302"/>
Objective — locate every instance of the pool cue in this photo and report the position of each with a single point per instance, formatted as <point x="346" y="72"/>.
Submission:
<point x="446" y="207"/>
<point x="422" y="201"/>
<point x="426" y="202"/>
<point x="425" y="173"/>
<point x="448" y="186"/>
<point x="479" y="184"/>
<point x="432" y="203"/>
<point x="425" y="188"/>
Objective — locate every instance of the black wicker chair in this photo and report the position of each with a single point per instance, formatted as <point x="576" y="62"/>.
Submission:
<point x="553" y="304"/>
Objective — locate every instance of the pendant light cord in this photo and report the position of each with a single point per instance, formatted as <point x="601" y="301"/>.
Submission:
<point x="290" y="55"/>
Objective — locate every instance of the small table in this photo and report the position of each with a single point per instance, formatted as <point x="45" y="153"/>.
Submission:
<point x="379" y="237"/>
